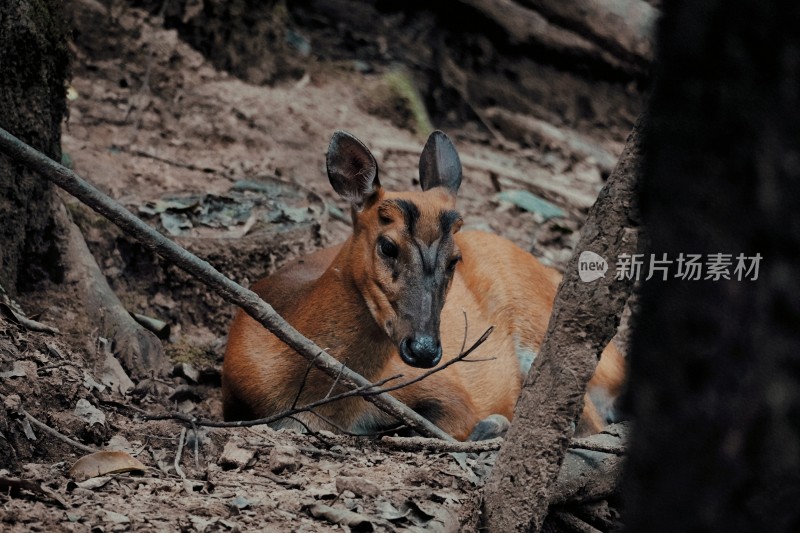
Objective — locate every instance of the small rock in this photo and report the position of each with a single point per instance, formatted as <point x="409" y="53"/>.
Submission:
<point x="115" y="517"/>
<point x="284" y="458"/>
<point x="240" y="502"/>
<point x="235" y="457"/>
<point x="118" y="443"/>
<point x="357" y="485"/>
<point x="89" y="413"/>
<point x="13" y="403"/>
<point x="90" y="383"/>
<point x="19" y="370"/>
<point x="114" y="376"/>
<point x="187" y="372"/>
<point x="183" y="393"/>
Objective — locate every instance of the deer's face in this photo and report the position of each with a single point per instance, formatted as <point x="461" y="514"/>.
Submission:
<point x="404" y="252"/>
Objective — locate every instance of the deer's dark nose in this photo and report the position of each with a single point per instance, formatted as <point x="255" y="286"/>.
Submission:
<point x="421" y="351"/>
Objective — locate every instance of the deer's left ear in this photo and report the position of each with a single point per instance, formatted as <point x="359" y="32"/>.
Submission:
<point x="439" y="165"/>
<point x="352" y="169"/>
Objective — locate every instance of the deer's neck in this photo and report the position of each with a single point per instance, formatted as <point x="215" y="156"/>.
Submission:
<point x="345" y="325"/>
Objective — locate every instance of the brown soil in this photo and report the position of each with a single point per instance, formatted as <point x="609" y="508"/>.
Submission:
<point x="152" y="118"/>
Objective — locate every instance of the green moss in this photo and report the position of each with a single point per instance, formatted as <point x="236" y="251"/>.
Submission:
<point x="198" y="356"/>
<point x="402" y="87"/>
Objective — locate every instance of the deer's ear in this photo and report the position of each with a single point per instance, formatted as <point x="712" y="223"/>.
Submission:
<point x="352" y="170"/>
<point x="439" y="165"/>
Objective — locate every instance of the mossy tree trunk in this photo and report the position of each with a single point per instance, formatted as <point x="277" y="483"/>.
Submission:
<point x="34" y="66"/>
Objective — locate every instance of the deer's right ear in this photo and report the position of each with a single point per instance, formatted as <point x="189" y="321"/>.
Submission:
<point x="352" y="170"/>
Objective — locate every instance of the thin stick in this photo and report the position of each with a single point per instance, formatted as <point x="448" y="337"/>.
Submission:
<point x="196" y="447"/>
<point x="303" y="383"/>
<point x="420" y="444"/>
<point x="230" y="291"/>
<point x="453" y="361"/>
<point x="179" y="454"/>
<point x="587" y="444"/>
<point x="60" y="436"/>
<point x="364" y="392"/>
<point x="269" y="419"/>
<point x="335" y="382"/>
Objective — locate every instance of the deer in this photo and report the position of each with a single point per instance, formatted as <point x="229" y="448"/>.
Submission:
<point x="399" y="296"/>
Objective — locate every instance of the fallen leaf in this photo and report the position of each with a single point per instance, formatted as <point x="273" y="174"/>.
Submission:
<point x="27" y="429"/>
<point x="341" y="517"/>
<point x="390" y="512"/>
<point x="530" y="202"/>
<point x="94" y="483"/>
<point x="357" y="485"/>
<point x="115" y="517"/>
<point x="17" y="371"/>
<point x="102" y="463"/>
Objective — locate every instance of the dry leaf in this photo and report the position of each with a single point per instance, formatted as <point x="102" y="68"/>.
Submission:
<point x="341" y="517"/>
<point x="102" y="463"/>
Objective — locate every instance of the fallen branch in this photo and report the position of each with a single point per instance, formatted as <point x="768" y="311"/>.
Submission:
<point x="179" y="454"/>
<point x="588" y="475"/>
<point x="230" y="291"/>
<point x="584" y="319"/>
<point x="571" y="143"/>
<point x="422" y="444"/>
<point x="573" y="524"/>
<point x="60" y="436"/>
<point x="526" y="26"/>
<point x="25" y="322"/>
<point x="8" y="484"/>
<point x="625" y="28"/>
<point x="539" y="182"/>
<point x="363" y="391"/>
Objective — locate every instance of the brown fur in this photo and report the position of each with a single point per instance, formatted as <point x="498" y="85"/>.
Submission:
<point x="343" y="298"/>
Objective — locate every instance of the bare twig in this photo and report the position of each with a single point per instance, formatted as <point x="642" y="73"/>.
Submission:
<point x="364" y="392"/>
<point x="587" y="444"/>
<point x="7" y="483"/>
<point x="461" y="357"/>
<point x="275" y="479"/>
<point x="230" y="291"/>
<point x="335" y="382"/>
<point x="32" y="325"/>
<point x="60" y="436"/>
<point x="303" y="382"/>
<point x="422" y="444"/>
<point x="196" y="447"/>
<point x="572" y="523"/>
<point x="179" y="454"/>
<point x="269" y="419"/>
<point x="466" y="331"/>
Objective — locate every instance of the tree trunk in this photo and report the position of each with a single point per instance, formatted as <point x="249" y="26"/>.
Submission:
<point x="714" y="369"/>
<point x="584" y="319"/>
<point x="34" y="64"/>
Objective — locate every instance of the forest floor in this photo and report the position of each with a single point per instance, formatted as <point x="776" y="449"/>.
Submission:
<point x="151" y="119"/>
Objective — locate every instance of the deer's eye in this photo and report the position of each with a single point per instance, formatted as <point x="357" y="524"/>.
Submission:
<point x="387" y="248"/>
<point x="451" y="266"/>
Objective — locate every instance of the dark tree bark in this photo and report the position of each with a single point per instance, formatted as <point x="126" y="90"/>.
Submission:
<point x="34" y="65"/>
<point x="715" y="368"/>
<point x="585" y="317"/>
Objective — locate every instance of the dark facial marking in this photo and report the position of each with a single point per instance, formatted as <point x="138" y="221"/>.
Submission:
<point x="447" y="219"/>
<point x="410" y="213"/>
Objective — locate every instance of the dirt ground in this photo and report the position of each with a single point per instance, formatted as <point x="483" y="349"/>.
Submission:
<point x="150" y="118"/>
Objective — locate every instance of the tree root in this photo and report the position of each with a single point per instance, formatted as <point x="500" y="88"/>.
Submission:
<point x="139" y="351"/>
